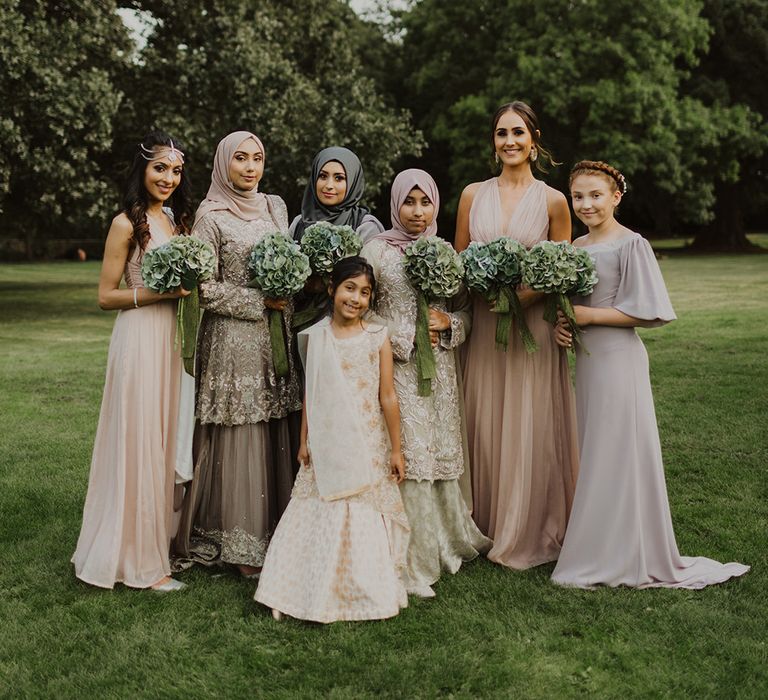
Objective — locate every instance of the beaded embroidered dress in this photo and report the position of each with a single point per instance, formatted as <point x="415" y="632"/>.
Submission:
<point x="443" y="534"/>
<point x="343" y="559"/>
<point x="243" y="452"/>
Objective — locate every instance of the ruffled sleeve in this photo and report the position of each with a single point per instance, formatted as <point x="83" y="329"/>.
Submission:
<point x="642" y="292"/>
<point x="218" y="296"/>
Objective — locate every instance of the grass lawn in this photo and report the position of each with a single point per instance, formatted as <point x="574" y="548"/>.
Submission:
<point x="490" y="632"/>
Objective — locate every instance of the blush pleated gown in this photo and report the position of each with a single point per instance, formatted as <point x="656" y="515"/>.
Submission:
<point x="521" y="421"/>
<point x="127" y="518"/>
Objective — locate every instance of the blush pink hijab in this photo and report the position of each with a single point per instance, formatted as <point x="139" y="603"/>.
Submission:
<point x="222" y="194"/>
<point x="398" y="237"/>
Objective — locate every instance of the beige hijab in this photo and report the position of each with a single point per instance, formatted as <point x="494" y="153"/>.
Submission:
<point x="222" y="194"/>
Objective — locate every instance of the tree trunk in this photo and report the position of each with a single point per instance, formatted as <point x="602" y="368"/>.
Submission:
<point x="726" y="231"/>
<point x="662" y="216"/>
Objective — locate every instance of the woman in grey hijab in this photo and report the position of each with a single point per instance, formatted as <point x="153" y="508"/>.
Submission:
<point x="336" y="186"/>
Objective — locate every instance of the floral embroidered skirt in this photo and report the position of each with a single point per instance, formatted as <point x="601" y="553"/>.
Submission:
<point x="241" y="486"/>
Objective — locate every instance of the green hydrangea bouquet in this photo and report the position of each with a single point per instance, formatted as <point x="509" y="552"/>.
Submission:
<point x="560" y="270"/>
<point x="324" y="244"/>
<point x="279" y="268"/>
<point x="182" y="262"/>
<point x="494" y="270"/>
<point x="435" y="271"/>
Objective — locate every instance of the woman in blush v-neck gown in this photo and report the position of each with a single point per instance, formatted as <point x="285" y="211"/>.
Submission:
<point x="127" y="518"/>
<point x="519" y="406"/>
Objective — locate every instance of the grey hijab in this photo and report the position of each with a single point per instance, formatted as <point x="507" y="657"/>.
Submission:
<point x="348" y="212"/>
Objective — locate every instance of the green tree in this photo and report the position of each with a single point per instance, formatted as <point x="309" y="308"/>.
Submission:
<point x="608" y="81"/>
<point x="728" y="76"/>
<point x="287" y="70"/>
<point x="58" y="100"/>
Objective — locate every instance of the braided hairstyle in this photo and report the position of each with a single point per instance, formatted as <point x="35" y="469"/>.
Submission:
<point x="136" y="201"/>
<point x="526" y="113"/>
<point x="598" y="167"/>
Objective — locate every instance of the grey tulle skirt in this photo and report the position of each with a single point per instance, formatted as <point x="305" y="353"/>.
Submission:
<point x="241" y="486"/>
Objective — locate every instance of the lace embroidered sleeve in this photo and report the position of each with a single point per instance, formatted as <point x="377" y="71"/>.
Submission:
<point x="460" y="313"/>
<point x="219" y="296"/>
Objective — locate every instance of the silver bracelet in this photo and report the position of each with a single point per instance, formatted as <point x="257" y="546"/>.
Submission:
<point x="135" y="298"/>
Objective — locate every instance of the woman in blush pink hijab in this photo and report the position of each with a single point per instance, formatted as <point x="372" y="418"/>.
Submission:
<point x="243" y="456"/>
<point x="443" y="535"/>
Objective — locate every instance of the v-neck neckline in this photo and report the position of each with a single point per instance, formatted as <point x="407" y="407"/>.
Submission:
<point x="528" y="190"/>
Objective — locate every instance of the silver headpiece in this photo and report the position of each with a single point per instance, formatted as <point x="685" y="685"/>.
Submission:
<point x="171" y="152"/>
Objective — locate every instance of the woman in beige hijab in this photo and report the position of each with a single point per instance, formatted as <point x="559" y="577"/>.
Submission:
<point x="242" y="449"/>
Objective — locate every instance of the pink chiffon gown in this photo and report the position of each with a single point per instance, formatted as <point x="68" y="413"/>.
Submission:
<point x="521" y="421"/>
<point x="126" y="531"/>
<point x="620" y="532"/>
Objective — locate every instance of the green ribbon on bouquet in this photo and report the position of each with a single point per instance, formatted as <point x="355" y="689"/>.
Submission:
<point x="425" y="356"/>
<point x="552" y="303"/>
<point x="507" y="306"/>
<point x="188" y="321"/>
<point x="318" y="305"/>
<point x="278" y="342"/>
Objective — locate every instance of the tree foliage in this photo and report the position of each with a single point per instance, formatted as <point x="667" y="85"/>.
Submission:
<point x="730" y="75"/>
<point x="670" y="91"/>
<point x="288" y="70"/>
<point x="609" y="81"/>
<point x="58" y="101"/>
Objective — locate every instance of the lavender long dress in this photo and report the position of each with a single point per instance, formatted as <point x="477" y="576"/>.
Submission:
<point x="620" y="531"/>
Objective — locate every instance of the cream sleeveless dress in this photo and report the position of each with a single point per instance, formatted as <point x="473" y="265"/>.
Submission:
<point x="342" y="557"/>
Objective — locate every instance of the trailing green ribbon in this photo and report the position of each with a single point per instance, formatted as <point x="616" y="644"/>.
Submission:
<point x="278" y="342"/>
<point x="507" y="306"/>
<point x="425" y="357"/>
<point x="187" y="322"/>
<point x="554" y="302"/>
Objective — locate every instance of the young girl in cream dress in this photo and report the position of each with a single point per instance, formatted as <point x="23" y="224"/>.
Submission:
<point x="339" y="551"/>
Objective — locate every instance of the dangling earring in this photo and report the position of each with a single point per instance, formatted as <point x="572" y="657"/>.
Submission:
<point x="534" y="154"/>
<point x="496" y="157"/>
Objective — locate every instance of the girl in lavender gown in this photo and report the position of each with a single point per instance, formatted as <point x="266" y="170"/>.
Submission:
<point x="126" y="531"/>
<point x="620" y="531"/>
<point x="521" y="421"/>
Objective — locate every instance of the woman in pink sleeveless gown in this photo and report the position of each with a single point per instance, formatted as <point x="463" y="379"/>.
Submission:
<point x="126" y="531"/>
<point x="519" y="406"/>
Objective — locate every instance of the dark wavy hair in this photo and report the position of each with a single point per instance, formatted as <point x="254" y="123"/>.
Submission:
<point x="136" y="200"/>
<point x="527" y="114"/>
<point x="345" y="269"/>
